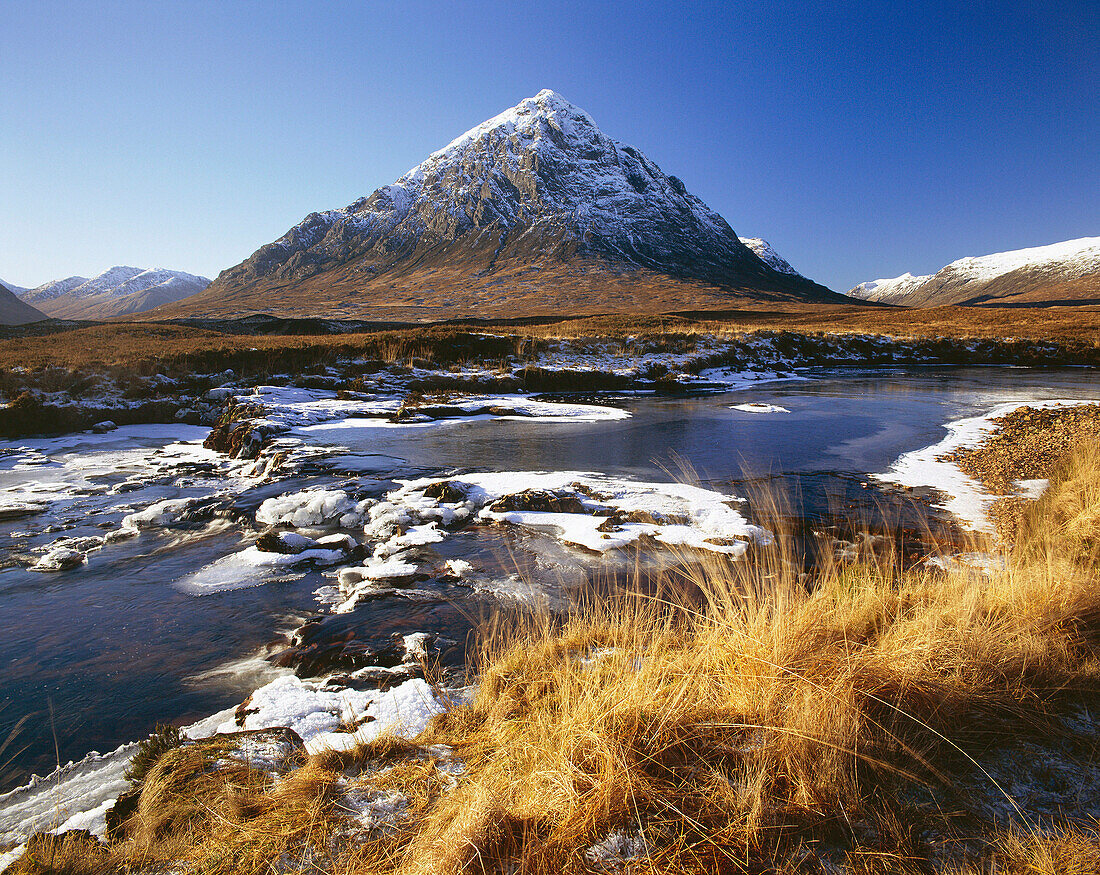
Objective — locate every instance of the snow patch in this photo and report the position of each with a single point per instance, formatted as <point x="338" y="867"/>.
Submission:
<point x="965" y="497"/>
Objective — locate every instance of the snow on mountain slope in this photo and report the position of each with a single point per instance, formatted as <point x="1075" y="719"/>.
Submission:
<point x="1066" y="272"/>
<point x="888" y="291"/>
<point x="53" y="289"/>
<point x="119" y="291"/>
<point x="769" y="256"/>
<point x="16" y="290"/>
<point x="538" y="183"/>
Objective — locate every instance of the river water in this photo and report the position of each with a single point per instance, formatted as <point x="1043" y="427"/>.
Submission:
<point x="98" y="654"/>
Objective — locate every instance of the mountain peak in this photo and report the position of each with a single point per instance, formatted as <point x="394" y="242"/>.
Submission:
<point x="536" y="188"/>
<point x="524" y="126"/>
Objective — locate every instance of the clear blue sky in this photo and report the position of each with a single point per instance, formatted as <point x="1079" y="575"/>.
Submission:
<point x="863" y="139"/>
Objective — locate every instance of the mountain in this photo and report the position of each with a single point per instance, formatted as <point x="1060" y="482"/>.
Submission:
<point x="53" y="289"/>
<point x="120" y="291"/>
<point x="1062" y="273"/>
<point x="763" y="250"/>
<point x="13" y="311"/>
<point x="18" y="290"/>
<point x="533" y="211"/>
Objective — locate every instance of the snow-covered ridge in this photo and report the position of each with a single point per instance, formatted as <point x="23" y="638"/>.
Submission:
<point x="1069" y="259"/>
<point x="117" y="282"/>
<point x="769" y="256"/>
<point x="53" y="289"/>
<point x="1075" y="255"/>
<point x="888" y="290"/>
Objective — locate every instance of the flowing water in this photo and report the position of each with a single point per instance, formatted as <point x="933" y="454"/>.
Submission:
<point x="98" y="654"/>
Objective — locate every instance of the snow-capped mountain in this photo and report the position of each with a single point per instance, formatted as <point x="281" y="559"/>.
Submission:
<point x="14" y="289"/>
<point x="888" y="291"/>
<point x="1067" y="272"/>
<point x="537" y="198"/>
<point x="769" y="256"/>
<point x="53" y="289"/>
<point x="120" y="291"/>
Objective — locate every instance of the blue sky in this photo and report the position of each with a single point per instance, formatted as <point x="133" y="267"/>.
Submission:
<point x="861" y="139"/>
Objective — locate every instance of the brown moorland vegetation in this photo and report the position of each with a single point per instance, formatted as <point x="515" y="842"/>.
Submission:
<point x="869" y="719"/>
<point x="148" y="346"/>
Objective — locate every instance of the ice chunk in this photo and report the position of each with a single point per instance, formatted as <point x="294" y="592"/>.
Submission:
<point x="158" y="515"/>
<point x="312" y="507"/>
<point x="59" y="559"/>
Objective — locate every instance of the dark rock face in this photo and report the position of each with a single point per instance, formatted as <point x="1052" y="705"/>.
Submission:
<point x="540" y="181"/>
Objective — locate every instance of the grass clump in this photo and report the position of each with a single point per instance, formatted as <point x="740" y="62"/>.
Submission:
<point x="163" y="739"/>
<point x="741" y="717"/>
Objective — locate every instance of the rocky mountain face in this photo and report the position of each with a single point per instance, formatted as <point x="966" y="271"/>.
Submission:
<point x="120" y="291"/>
<point x="536" y="199"/>
<point x="1061" y="273"/>
<point x="13" y="311"/>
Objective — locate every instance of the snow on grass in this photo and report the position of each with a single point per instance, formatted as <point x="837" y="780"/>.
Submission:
<point x="964" y="497"/>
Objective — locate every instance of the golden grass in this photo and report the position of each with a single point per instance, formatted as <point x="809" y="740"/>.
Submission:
<point x="741" y="718"/>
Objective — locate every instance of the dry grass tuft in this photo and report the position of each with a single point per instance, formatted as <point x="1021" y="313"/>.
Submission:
<point x="742" y="718"/>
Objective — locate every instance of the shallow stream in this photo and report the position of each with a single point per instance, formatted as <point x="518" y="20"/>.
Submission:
<point x="98" y="654"/>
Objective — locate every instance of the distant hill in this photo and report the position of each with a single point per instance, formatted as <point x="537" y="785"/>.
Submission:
<point x="120" y="291"/>
<point x="14" y="311"/>
<point x="535" y="211"/>
<point x="1062" y="273"/>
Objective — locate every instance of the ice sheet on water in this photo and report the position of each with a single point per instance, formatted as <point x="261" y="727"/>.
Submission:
<point x="759" y="407"/>
<point x="255" y="567"/>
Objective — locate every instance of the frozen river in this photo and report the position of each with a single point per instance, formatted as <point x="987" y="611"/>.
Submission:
<point x="168" y="610"/>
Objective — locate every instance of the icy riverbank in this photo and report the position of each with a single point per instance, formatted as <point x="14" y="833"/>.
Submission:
<point x="964" y="497"/>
